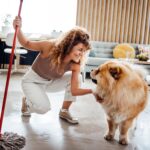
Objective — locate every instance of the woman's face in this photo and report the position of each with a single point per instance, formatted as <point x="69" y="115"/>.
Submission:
<point x="77" y="52"/>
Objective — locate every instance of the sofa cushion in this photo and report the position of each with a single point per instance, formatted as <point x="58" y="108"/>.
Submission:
<point x="101" y="52"/>
<point x="94" y="61"/>
<point x="102" y="49"/>
<point x="92" y="53"/>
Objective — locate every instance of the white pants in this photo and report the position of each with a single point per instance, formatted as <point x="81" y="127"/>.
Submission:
<point x="35" y="88"/>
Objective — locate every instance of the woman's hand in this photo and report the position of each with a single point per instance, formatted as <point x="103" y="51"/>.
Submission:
<point x="17" y="22"/>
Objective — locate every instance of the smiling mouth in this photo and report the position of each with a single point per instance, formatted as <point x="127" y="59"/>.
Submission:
<point x="78" y="56"/>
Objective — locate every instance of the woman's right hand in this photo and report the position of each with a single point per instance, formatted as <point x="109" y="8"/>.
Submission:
<point x="17" y="22"/>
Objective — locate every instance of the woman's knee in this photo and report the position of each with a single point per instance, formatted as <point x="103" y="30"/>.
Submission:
<point x="42" y="109"/>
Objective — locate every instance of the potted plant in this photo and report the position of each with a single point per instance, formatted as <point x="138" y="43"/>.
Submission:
<point x="143" y="53"/>
<point x="6" y="24"/>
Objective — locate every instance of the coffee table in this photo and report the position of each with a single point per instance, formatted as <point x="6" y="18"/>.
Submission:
<point x="136" y="61"/>
<point x="146" y="64"/>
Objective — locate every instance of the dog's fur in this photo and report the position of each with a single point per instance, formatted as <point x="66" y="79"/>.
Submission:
<point x="123" y="94"/>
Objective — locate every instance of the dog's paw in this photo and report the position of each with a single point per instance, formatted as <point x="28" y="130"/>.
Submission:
<point x="123" y="142"/>
<point x="108" y="137"/>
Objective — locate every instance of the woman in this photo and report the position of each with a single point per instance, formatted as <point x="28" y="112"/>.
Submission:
<point x="56" y="68"/>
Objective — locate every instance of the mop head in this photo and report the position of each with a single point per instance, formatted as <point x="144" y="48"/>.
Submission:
<point x="11" y="141"/>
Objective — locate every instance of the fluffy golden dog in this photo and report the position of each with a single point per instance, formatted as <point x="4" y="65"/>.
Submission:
<point x="123" y="94"/>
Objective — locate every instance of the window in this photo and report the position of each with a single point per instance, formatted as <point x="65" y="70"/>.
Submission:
<point x="42" y="16"/>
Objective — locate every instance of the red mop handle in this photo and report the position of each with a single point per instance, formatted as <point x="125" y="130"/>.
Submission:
<point x="9" y="71"/>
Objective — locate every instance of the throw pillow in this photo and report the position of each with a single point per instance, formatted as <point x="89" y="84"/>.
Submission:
<point x="124" y="50"/>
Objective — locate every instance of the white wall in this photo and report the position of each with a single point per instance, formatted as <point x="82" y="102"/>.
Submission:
<point x="42" y="16"/>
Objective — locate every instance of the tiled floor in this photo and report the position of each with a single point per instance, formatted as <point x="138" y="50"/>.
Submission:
<point x="48" y="132"/>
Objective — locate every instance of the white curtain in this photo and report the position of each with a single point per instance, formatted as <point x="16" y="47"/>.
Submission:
<point x="42" y="16"/>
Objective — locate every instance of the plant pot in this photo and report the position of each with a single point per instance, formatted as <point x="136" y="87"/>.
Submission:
<point x="6" y="30"/>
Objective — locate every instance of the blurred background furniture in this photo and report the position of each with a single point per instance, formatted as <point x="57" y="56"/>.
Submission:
<point x="18" y="51"/>
<point x="103" y="51"/>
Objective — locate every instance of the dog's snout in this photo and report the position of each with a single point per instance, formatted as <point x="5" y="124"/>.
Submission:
<point x="94" y="81"/>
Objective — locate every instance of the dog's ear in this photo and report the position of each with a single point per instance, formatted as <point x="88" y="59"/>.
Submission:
<point x="96" y="71"/>
<point x="115" y="72"/>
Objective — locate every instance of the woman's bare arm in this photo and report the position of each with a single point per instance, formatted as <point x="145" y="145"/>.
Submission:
<point x="32" y="45"/>
<point x="75" y="82"/>
<point x="25" y="42"/>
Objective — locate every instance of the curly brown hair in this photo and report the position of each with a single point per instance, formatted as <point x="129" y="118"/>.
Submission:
<point x="64" y="44"/>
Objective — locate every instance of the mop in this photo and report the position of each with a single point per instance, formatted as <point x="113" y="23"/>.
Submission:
<point x="10" y="140"/>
